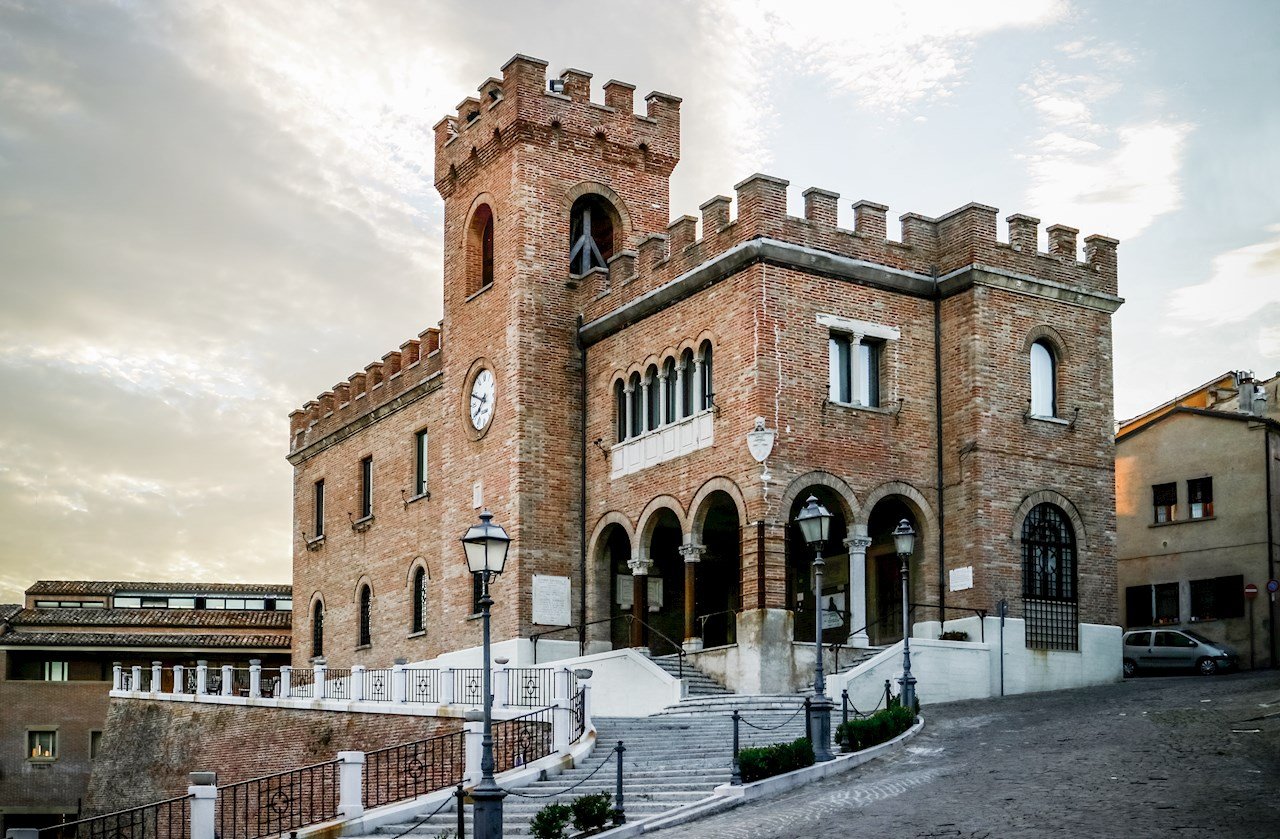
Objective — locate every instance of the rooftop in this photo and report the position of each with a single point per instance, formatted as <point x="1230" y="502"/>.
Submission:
<point x="109" y="587"/>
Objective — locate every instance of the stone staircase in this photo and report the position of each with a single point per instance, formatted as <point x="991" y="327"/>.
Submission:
<point x="700" y="684"/>
<point x="669" y="762"/>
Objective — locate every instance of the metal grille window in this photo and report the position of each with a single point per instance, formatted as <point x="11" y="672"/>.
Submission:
<point x="419" y="600"/>
<point x="1049" y="579"/>
<point x="1165" y="499"/>
<point x="317" y="630"/>
<point x="366" y="604"/>
<point x="1200" y="498"/>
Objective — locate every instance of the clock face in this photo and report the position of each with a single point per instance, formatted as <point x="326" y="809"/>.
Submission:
<point x="482" y="397"/>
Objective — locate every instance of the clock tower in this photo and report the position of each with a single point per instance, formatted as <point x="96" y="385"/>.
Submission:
<point x="542" y="187"/>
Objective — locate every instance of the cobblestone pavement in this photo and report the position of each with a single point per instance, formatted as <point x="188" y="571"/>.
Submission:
<point x="1185" y="756"/>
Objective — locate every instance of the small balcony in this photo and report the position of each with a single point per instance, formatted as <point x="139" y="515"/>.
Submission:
<point x="664" y="443"/>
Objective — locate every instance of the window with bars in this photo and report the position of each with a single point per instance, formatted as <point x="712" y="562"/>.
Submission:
<point x="366" y="616"/>
<point x="1049" y="579"/>
<point x="317" y="630"/>
<point x="419" y="618"/>
<point x="1200" y="498"/>
<point x="1164" y="497"/>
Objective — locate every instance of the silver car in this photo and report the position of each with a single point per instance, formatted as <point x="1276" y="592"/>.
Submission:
<point x="1168" y="649"/>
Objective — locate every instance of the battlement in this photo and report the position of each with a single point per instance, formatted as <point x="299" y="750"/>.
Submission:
<point x="929" y="247"/>
<point x="380" y="382"/>
<point x="522" y="107"/>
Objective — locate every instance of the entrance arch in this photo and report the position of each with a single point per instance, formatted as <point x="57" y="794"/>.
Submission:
<point x="661" y="604"/>
<point x="835" y="583"/>
<point x="713" y="572"/>
<point x="613" y="553"/>
<point x="884" y="568"/>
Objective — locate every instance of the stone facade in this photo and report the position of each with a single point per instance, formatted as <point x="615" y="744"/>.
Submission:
<point x="949" y="313"/>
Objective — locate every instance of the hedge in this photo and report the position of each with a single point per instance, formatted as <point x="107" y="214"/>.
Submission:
<point x="884" y="725"/>
<point x="766" y="761"/>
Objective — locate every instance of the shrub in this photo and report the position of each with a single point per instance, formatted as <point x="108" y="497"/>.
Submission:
<point x="954" y="635"/>
<point x="766" y="761"/>
<point x="551" y="822"/>
<point x="880" y="727"/>
<point x="592" y="812"/>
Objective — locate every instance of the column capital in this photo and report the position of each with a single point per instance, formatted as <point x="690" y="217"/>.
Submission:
<point x="858" y="543"/>
<point x="640" y="566"/>
<point x="692" y="553"/>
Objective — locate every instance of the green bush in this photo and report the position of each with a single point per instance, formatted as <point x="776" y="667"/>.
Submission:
<point x="859" y="734"/>
<point x="766" y="761"/>
<point x="551" y="822"/>
<point x="592" y="812"/>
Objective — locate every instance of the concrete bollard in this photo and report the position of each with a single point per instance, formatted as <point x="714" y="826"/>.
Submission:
<point x="399" y="681"/>
<point x="446" y="686"/>
<point x="322" y="673"/>
<point x="179" y="682"/>
<point x="135" y="682"/>
<point x="357" y="683"/>
<point x="228" y="679"/>
<point x="474" y="750"/>
<point x="202" y="677"/>
<point x="117" y="676"/>
<point x="350" y="784"/>
<point x="255" y="678"/>
<point x="157" y="673"/>
<point x="561" y="690"/>
<point x="286" y="681"/>
<point x="501" y="683"/>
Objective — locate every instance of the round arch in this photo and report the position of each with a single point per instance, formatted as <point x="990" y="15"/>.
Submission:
<point x="848" y="501"/>
<point x="1044" y="332"/>
<point x="904" y="490"/>
<point x="364" y="580"/>
<point x="1048" y="496"/>
<point x="417" y="562"/>
<point x="698" y="507"/>
<point x="612" y="198"/>
<point x="649" y="518"/>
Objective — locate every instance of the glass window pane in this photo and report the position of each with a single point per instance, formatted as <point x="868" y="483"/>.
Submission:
<point x="1042" y="381"/>
<point x="182" y="602"/>
<point x="127" y="602"/>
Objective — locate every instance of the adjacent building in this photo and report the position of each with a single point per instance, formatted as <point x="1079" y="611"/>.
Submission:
<point x="601" y="369"/>
<point x="1198" y="514"/>
<point x="57" y="652"/>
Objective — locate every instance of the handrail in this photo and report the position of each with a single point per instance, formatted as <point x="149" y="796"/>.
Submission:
<point x="679" y="649"/>
<point x="703" y="619"/>
<point x="278" y="803"/>
<point x="981" y="614"/>
<point x="126" y="822"/>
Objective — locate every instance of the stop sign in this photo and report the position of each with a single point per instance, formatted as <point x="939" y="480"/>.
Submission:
<point x="1250" y="591"/>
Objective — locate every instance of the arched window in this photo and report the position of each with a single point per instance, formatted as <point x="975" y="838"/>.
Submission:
<point x="1048" y="554"/>
<point x="1044" y="384"/>
<point x="635" y="397"/>
<point x="480" y="250"/>
<point x="686" y="383"/>
<point x="590" y="234"/>
<point x="366" y="604"/>
<point x="708" y="392"/>
<point x="652" y="398"/>
<point x="317" y="629"/>
<point x="620" y="407"/>
<point x="419" y="620"/>
<point x="669" y="389"/>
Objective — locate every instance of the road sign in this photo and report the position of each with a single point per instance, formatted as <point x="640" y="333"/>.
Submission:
<point x="1273" y="586"/>
<point x="1250" y="591"/>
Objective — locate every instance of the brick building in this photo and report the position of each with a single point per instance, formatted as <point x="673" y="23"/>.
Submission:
<point x="599" y="368"/>
<point x="57" y="650"/>
<point x="1198" y="514"/>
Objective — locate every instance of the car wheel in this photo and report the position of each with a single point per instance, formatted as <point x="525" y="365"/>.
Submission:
<point x="1130" y="668"/>
<point x="1207" y="666"/>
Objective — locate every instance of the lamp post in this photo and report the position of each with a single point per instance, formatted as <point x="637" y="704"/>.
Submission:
<point x="815" y="526"/>
<point x="485" y="545"/>
<point x="904" y="541"/>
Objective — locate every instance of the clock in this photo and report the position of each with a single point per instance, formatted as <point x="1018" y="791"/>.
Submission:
<point x="482" y="398"/>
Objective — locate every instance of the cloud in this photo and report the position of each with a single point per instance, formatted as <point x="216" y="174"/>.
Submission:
<point x="1242" y="284"/>
<point x="1121" y="178"/>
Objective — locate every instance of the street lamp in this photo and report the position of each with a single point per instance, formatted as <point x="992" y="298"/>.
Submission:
<point x="904" y="542"/>
<point x="485" y="545"/>
<point x="815" y="526"/>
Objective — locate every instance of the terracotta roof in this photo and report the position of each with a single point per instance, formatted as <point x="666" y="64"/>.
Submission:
<point x="137" y="639"/>
<point x="204" y="618"/>
<point x="8" y="610"/>
<point x="100" y="587"/>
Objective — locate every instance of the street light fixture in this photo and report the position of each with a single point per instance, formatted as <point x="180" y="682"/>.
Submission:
<point x="815" y="526"/>
<point x="485" y="545"/>
<point x="904" y="541"/>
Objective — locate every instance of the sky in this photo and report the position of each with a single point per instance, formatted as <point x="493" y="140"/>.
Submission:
<point x="212" y="211"/>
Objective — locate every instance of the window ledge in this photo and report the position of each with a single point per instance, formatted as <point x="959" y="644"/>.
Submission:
<point x="316" y="543"/>
<point x="473" y="295"/>
<point x="1048" y="419"/>
<point x="870" y="409"/>
<point x="362" y="524"/>
<point x="474" y="616"/>
<point x="420" y="496"/>
<point x="1181" y="521"/>
<point x="360" y="647"/>
<point x="417" y="634"/>
<point x="42" y="760"/>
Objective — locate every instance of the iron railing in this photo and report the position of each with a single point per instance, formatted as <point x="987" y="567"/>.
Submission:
<point x="302" y="683"/>
<point x="278" y="803"/>
<point x="522" y="740"/>
<point x="422" y="685"/>
<point x="534" y="687"/>
<point x="1051" y="624"/>
<point x="376" y="685"/>
<point x="398" y="773"/>
<point x="126" y="680"/>
<point x="676" y="649"/>
<point x="167" y="819"/>
<point x="730" y="629"/>
<point x="337" y="683"/>
<point x="579" y="709"/>
<point x="468" y="685"/>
